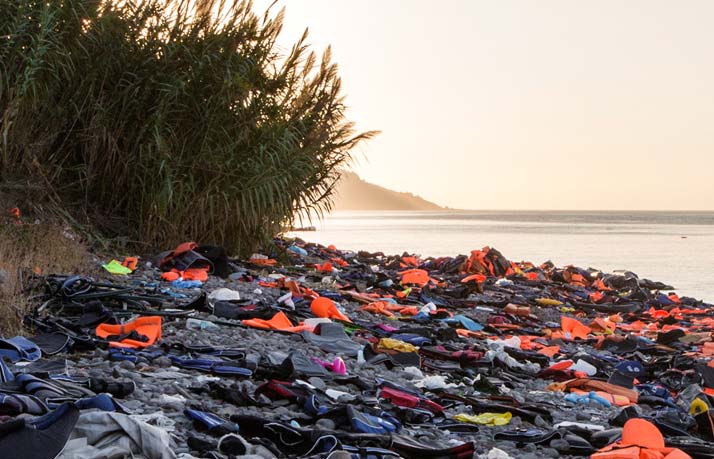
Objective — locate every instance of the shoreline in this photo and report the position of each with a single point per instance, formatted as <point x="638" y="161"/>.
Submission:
<point x="661" y="246"/>
<point x="452" y="337"/>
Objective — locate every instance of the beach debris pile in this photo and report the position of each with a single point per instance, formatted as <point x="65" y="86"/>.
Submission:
<point x="312" y="351"/>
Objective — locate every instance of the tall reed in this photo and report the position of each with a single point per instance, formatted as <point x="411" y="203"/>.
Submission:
<point x="166" y="121"/>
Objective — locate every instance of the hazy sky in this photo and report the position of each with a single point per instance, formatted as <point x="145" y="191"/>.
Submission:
<point x="511" y="104"/>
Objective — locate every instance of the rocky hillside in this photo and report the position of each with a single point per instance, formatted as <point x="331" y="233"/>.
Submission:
<point x="353" y="193"/>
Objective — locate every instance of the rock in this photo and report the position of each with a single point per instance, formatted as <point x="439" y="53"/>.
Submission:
<point x="528" y="448"/>
<point x="162" y="362"/>
<point x="126" y="365"/>
<point x="550" y="452"/>
<point x="496" y="453"/>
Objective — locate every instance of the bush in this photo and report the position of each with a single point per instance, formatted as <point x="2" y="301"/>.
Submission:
<point x="154" y="121"/>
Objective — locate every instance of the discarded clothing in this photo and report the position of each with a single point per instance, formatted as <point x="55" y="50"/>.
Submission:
<point x="106" y="435"/>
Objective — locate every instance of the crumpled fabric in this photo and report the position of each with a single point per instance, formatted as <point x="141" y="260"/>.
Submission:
<point x="640" y="438"/>
<point x="514" y="342"/>
<point x="396" y="345"/>
<point x="107" y="435"/>
<point x="433" y="382"/>
<point x="488" y="419"/>
<point x="503" y="356"/>
<point x="158" y="419"/>
<point x="586" y="384"/>
<point x="332" y="338"/>
<point x="223" y="294"/>
<point x="115" y="267"/>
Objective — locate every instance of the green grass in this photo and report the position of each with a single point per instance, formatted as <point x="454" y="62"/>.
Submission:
<point x="154" y="122"/>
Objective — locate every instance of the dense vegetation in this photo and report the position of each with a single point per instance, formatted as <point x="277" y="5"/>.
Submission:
<point x="152" y="120"/>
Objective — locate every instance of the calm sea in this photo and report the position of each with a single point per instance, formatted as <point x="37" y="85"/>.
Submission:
<point x="673" y="247"/>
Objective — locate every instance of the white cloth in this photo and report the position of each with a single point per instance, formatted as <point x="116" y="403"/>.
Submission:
<point x="108" y="435"/>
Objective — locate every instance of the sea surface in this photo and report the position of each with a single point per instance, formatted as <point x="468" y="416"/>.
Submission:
<point x="673" y="247"/>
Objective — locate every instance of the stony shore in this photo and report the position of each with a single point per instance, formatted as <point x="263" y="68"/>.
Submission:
<point x="493" y="371"/>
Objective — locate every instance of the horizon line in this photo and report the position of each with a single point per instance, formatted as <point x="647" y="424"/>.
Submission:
<point x="525" y="210"/>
